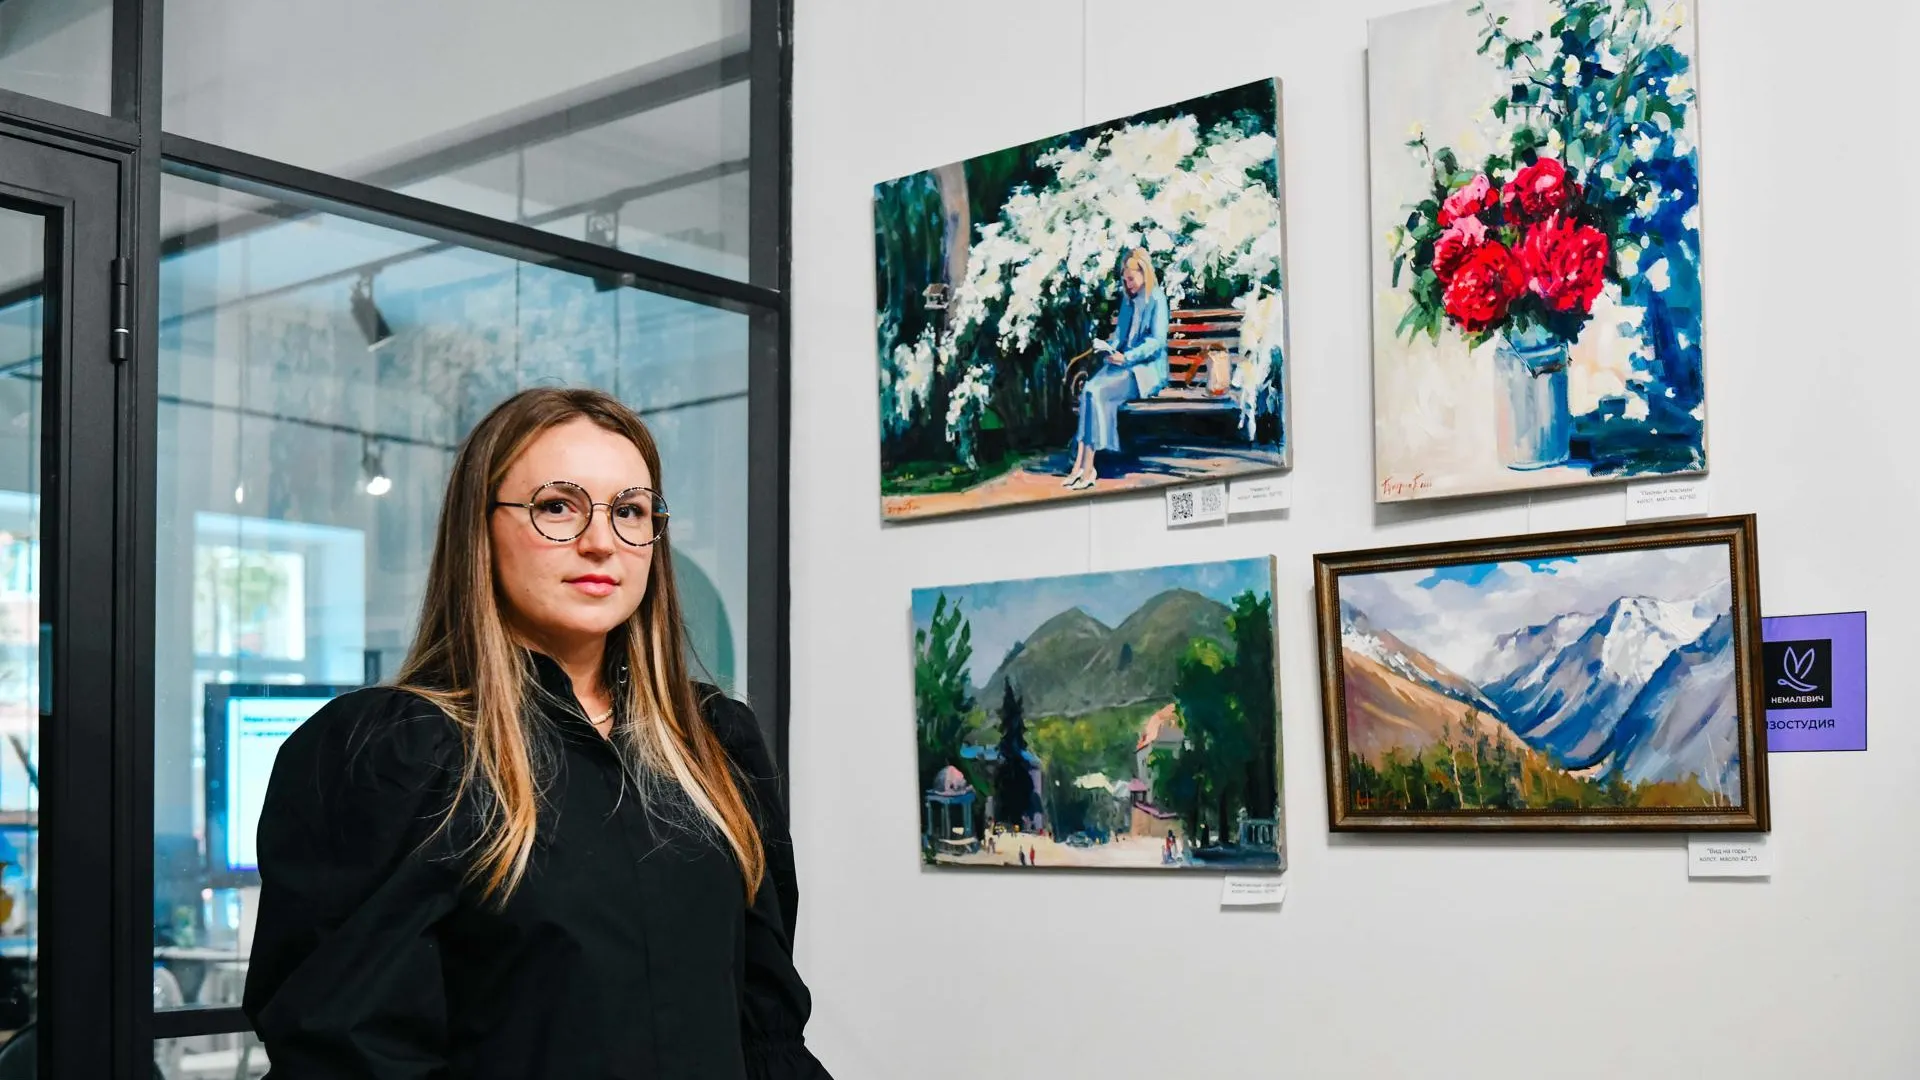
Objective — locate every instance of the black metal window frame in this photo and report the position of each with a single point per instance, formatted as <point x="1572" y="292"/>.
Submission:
<point x="135" y="134"/>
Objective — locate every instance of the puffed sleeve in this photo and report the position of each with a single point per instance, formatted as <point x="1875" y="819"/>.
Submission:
<point x="345" y="979"/>
<point x="774" y="1002"/>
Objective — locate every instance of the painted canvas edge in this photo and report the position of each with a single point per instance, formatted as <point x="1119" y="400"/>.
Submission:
<point x="1286" y="274"/>
<point x="1739" y="532"/>
<point x="1279" y="719"/>
<point x="1077" y="130"/>
<point x="1039" y="578"/>
<point x="1286" y="462"/>
<point x="1066" y="498"/>
<point x="1691" y="13"/>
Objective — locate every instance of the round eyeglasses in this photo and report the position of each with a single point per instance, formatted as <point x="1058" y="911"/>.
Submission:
<point x="561" y="511"/>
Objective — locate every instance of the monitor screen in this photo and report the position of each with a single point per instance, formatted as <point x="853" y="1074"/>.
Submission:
<point x="245" y="727"/>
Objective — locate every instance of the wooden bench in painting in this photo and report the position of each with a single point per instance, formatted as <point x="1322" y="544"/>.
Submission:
<point x="1202" y="345"/>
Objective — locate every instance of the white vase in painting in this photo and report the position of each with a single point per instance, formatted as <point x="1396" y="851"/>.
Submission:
<point x="1530" y="383"/>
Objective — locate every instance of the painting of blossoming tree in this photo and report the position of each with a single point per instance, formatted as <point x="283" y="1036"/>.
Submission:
<point x="1091" y="312"/>
<point x="1536" y="291"/>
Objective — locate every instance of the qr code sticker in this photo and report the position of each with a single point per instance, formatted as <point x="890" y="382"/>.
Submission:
<point x="1180" y="506"/>
<point x="1213" y="500"/>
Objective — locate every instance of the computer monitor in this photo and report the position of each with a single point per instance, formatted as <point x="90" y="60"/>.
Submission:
<point x="246" y="723"/>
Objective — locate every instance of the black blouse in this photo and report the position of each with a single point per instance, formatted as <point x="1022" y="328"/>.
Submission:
<point x="627" y="951"/>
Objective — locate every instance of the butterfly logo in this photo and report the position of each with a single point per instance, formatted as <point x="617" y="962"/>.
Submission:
<point x="1799" y="664"/>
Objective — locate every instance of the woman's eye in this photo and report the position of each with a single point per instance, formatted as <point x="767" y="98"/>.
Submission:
<point x="556" y="508"/>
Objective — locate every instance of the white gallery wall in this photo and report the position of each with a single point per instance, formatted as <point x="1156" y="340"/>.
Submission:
<point x="1489" y="957"/>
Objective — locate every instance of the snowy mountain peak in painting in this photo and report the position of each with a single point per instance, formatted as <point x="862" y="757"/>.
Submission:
<point x="1572" y="688"/>
<point x="1359" y="635"/>
<point x="1521" y="659"/>
<point x="1642" y="633"/>
<point x="1686" y="721"/>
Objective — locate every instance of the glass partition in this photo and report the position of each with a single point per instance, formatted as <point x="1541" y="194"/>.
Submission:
<point x="61" y="50"/>
<point x="316" y="376"/>
<point x="619" y="124"/>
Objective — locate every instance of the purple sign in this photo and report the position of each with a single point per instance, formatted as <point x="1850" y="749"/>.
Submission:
<point x="1816" y="681"/>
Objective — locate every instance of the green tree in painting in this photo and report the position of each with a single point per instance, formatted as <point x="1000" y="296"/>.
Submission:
<point x="1229" y="760"/>
<point x="1218" y="745"/>
<point x="1251" y="683"/>
<point x="1012" y="783"/>
<point x="942" y="687"/>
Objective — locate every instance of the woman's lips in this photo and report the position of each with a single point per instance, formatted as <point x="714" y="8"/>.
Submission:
<point x="594" y="586"/>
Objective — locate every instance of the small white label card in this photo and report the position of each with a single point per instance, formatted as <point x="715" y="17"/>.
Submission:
<point x="1260" y="494"/>
<point x="1651" y="500"/>
<point x="1196" y="504"/>
<point x="1729" y="855"/>
<point x="1252" y="891"/>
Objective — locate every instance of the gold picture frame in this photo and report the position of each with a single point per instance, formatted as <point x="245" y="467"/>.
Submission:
<point x="1603" y="679"/>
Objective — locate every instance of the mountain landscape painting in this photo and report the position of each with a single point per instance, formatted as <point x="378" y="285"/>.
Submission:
<point x="1125" y="720"/>
<point x="1564" y="683"/>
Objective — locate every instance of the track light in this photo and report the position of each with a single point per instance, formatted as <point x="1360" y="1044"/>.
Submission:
<point x="373" y="325"/>
<point x="375" y="469"/>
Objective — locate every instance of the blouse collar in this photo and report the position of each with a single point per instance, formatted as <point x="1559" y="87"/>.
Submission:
<point x="550" y="675"/>
<point x="558" y="685"/>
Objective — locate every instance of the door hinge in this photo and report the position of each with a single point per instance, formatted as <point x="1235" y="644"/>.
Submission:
<point x="122" y="311"/>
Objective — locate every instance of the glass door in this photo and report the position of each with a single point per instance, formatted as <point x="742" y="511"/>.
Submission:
<point x="58" y="247"/>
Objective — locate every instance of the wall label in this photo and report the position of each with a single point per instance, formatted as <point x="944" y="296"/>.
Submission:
<point x="1735" y="855"/>
<point x="1260" y="494"/>
<point x="1253" y="891"/>
<point x="1654" y="500"/>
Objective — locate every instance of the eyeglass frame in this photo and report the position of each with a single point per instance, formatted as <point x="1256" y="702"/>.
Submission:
<point x="660" y="513"/>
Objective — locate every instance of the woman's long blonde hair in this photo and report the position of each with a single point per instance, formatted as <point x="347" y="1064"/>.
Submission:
<point x="466" y="661"/>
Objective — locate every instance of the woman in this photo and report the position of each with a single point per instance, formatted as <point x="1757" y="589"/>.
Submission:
<point x="545" y="852"/>
<point x="1136" y="367"/>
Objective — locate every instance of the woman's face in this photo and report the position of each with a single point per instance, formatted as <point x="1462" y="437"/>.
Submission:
<point x="564" y="595"/>
<point x="1131" y="277"/>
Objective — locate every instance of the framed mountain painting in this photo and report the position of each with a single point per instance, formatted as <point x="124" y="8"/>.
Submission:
<point x="1606" y="679"/>
<point x="1126" y="721"/>
<point x="1096" y="311"/>
<point x="1536" y="246"/>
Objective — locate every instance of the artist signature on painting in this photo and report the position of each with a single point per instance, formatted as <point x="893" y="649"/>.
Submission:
<point x="1394" y="485"/>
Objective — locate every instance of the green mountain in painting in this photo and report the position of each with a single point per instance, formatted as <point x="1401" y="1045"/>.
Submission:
<point x="1073" y="664"/>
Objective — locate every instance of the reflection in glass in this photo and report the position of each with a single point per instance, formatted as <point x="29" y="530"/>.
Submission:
<point x="23" y="702"/>
<point x="238" y="1056"/>
<point x="61" y="50"/>
<point x="316" y="376"/>
<point x="619" y="124"/>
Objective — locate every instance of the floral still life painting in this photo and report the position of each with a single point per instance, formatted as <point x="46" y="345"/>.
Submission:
<point x="1091" y="312"/>
<point x="1598" y="679"/>
<point x="1535" y="187"/>
<point x="1124" y="720"/>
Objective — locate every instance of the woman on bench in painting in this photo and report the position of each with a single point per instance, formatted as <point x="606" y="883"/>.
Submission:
<point x="1136" y="367"/>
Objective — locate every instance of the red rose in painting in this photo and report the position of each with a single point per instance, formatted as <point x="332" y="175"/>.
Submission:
<point x="1459" y="241"/>
<point x="1565" y="263"/>
<point x="1538" y="190"/>
<point x="1486" y="282"/>
<point x="1475" y="198"/>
